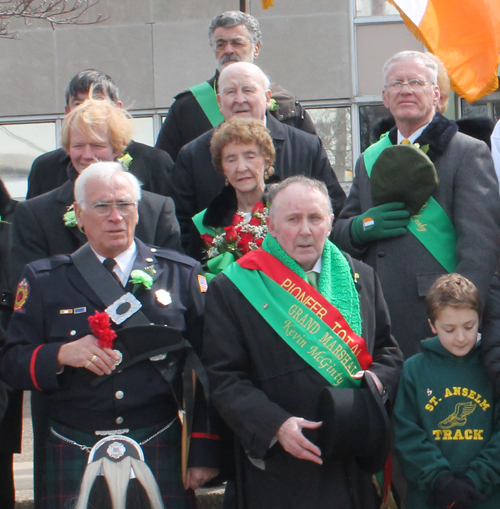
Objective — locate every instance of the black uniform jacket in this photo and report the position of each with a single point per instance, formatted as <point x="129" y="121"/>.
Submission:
<point x="186" y="120"/>
<point x="195" y="183"/>
<point x="150" y="165"/>
<point x="38" y="230"/>
<point x="257" y="382"/>
<point x="39" y="328"/>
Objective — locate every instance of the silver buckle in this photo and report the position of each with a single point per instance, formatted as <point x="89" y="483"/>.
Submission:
<point x="134" y="306"/>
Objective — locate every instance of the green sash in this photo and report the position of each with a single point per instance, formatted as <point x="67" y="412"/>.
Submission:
<point x="309" y="336"/>
<point x="205" y="95"/>
<point x="432" y="226"/>
<point x="219" y="263"/>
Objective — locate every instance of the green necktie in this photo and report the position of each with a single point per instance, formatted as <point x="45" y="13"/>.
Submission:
<point x="312" y="278"/>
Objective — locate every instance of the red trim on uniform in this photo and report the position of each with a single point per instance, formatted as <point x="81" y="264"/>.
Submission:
<point x="32" y="367"/>
<point x="205" y="435"/>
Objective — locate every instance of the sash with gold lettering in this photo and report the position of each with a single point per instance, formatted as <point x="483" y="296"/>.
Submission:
<point x="432" y="226"/>
<point x="302" y="317"/>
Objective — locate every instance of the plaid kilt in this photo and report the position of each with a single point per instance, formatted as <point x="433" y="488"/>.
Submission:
<point x="65" y="464"/>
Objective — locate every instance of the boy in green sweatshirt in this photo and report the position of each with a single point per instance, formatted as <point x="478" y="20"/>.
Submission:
<point x="446" y="422"/>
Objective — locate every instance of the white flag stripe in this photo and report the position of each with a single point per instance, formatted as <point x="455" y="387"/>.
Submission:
<point x="414" y="9"/>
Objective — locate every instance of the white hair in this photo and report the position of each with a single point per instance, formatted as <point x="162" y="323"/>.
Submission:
<point x="266" y="82"/>
<point x="104" y="172"/>
<point x="428" y="62"/>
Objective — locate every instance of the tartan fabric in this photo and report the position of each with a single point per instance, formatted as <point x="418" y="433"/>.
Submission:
<point x="65" y="464"/>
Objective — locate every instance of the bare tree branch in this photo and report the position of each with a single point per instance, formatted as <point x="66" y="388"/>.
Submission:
<point x="54" y="12"/>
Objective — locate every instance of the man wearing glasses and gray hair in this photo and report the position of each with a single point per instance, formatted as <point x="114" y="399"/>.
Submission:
<point x="454" y="226"/>
<point x="235" y="37"/>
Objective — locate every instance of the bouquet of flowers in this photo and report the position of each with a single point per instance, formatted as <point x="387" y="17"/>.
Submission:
<point x="246" y="233"/>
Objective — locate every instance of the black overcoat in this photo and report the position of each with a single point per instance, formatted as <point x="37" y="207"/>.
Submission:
<point x="257" y="382"/>
<point x="150" y="165"/>
<point x="195" y="183"/>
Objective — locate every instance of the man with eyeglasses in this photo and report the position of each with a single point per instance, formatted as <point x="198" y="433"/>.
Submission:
<point x="51" y="347"/>
<point x="465" y="203"/>
<point x="235" y="37"/>
<point x="95" y="130"/>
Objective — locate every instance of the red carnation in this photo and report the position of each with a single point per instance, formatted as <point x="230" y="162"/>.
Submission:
<point x="231" y="234"/>
<point x="244" y="241"/>
<point x="255" y="221"/>
<point x="259" y="242"/>
<point x="101" y="329"/>
<point x="237" y="219"/>
<point x="208" y="239"/>
<point x="258" y="207"/>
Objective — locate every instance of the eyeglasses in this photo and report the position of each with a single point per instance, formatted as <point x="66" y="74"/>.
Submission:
<point x="415" y="85"/>
<point x="238" y="42"/>
<point x="104" y="209"/>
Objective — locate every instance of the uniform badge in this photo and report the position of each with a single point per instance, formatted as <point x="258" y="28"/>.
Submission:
<point x="163" y="297"/>
<point x="23" y="292"/>
<point x="202" y="282"/>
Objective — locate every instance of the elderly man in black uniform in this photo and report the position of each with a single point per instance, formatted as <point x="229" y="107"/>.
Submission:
<point x="235" y="37"/>
<point x="50" y="346"/>
<point x="150" y="165"/>
<point x="244" y="92"/>
<point x="297" y="316"/>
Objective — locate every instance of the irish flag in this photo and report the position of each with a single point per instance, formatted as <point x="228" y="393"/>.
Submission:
<point x="464" y="34"/>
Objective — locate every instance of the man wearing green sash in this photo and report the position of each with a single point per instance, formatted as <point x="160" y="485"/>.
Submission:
<point x="235" y="37"/>
<point x="283" y="323"/>
<point x="455" y="231"/>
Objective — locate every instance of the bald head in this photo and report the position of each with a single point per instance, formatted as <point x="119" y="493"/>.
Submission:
<point x="244" y="91"/>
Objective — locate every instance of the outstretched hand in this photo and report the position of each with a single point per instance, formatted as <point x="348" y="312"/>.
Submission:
<point x="293" y="441"/>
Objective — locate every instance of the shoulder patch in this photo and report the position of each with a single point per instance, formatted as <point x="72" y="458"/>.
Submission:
<point x="22" y="294"/>
<point x="202" y="281"/>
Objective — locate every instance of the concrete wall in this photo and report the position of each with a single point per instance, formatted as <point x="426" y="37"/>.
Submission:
<point x="157" y="48"/>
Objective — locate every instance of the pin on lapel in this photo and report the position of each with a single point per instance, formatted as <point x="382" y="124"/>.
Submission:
<point x="163" y="297"/>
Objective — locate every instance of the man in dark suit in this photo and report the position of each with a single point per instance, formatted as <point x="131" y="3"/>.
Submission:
<point x="235" y="37"/>
<point x="150" y="165"/>
<point x="50" y="346"/>
<point x="244" y="92"/>
<point x="466" y="198"/>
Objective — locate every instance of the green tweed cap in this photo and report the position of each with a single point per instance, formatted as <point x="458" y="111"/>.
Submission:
<point x="403" y="173"/>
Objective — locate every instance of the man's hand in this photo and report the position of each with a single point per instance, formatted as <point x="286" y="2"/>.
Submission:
<point x="198" y="476"/>
<point x="380" y="222"/>
<point x="360" y="374"/>
<point x="293" y="441"/>
<point x="84" y="353"/>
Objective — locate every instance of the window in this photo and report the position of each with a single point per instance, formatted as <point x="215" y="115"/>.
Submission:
<point x="374" y="120"/>
<point x="334" y="129"/>
<point x="375" y="8"/>
<point x="20" y="145"/>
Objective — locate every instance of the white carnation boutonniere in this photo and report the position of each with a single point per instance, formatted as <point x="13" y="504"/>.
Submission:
<point x="69" y="217"/>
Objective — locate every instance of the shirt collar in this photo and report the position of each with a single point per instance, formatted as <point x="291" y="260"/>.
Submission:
<point x="317" y="266"/>
<point x="413" y="136"/>
<point x="124" y="262"/>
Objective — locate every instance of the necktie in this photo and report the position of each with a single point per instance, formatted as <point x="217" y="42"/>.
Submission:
<point x="110" y="264"/>
<point x="406" y="141"/>
<point x="312" y="278"/>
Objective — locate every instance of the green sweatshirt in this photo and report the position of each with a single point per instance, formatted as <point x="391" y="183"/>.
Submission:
<point x="445" y="418"/>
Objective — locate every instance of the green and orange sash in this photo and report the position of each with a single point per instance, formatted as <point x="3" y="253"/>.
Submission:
<point x="302" y="317"/>
<point x="432" y="226"/>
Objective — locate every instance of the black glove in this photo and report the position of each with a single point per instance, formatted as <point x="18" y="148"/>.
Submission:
<point x="453" y="492"/>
